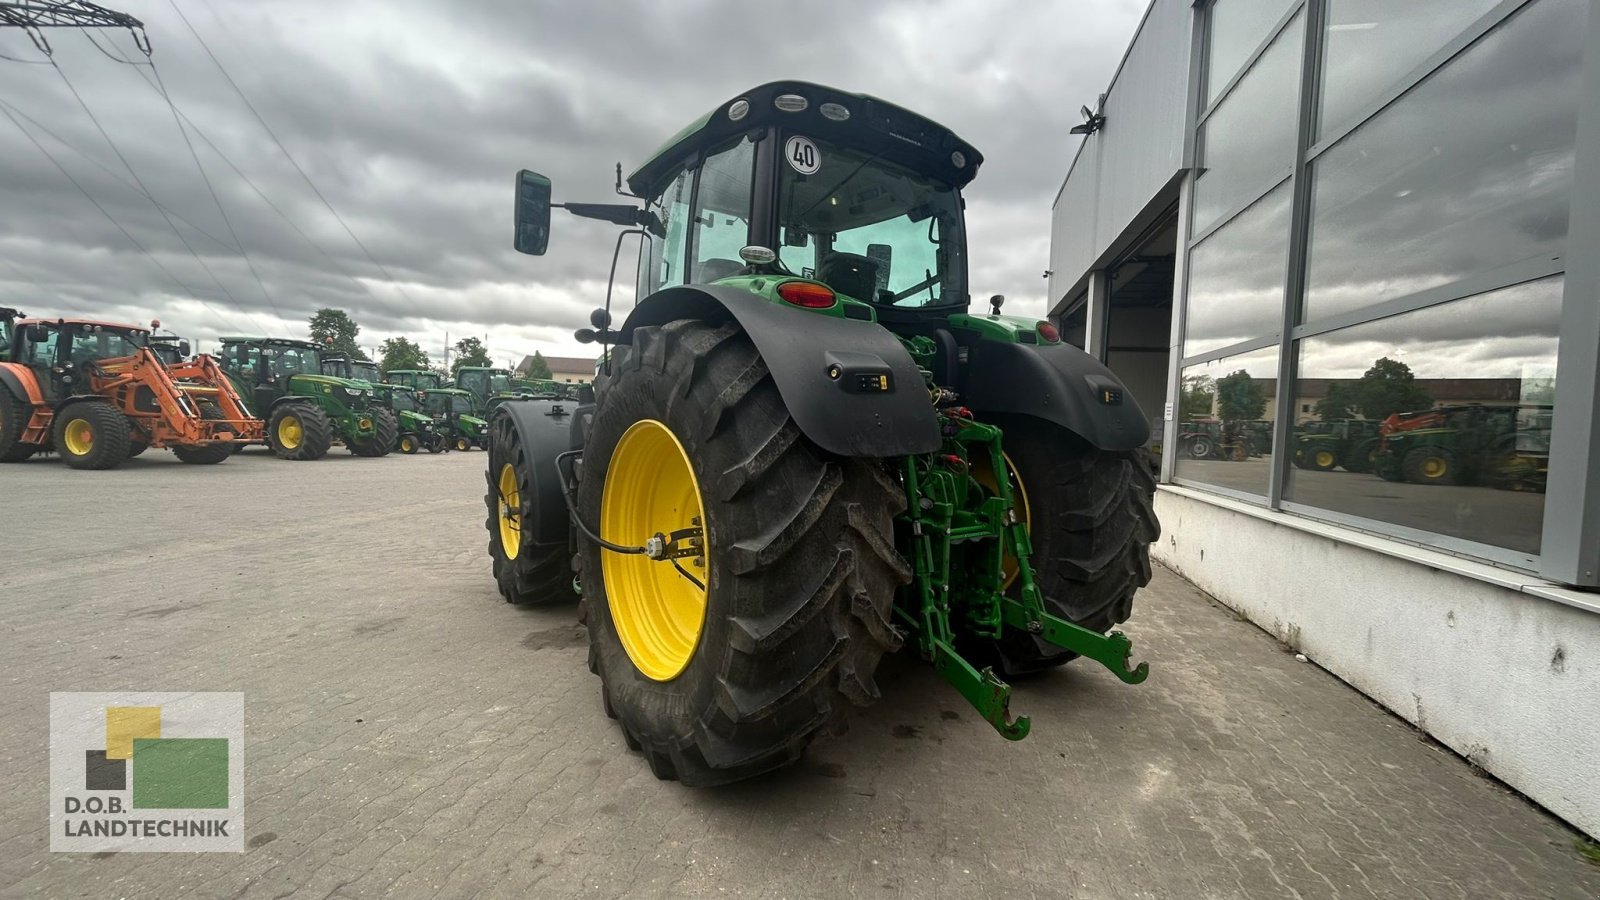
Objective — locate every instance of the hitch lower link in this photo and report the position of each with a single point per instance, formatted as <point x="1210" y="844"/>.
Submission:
<point x="941" y="520"/>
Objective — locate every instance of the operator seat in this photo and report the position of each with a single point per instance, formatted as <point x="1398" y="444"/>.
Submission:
<point x="716" y="268"/>
<point x="851" y="274"/>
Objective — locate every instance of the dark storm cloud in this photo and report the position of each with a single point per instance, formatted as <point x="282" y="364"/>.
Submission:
<point x="412" y="117"/>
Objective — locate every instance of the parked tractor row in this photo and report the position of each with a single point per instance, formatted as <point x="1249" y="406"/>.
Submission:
<point x="99" y="393"/>
<point x="1504" y="447"/>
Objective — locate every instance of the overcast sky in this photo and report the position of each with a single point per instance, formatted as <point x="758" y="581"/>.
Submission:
<point x="411" y="118"/>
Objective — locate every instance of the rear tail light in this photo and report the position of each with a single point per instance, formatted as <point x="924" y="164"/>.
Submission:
<point x="1048" y="332"/>
<point x="808" y="294"/>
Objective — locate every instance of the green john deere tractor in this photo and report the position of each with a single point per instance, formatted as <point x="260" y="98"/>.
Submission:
<point x="305" y="410"/>
<point x="416" y="379"/>
<point x="416" y="429"/>
<point x="459" y="421"/>
<point x="1504" y="447"/>
<point x="1351" y="444"/>
<point x="803" y="449"/>
<point x="488" y="386"/>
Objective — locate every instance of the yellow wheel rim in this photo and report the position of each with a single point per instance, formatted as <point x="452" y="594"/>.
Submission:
<point x="79" y="437"/>
<point x="406" y="444"/>
<point x="1434" y="467"/>
<point x="983" y="473"/>
<point x="510" y="512"/>
<point x="651" y="489"/>
<point x="291" y="432"/>
<point x="1325" y="459"/>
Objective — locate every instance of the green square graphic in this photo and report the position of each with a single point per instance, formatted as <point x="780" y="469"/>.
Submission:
<point x="180" y="773"/>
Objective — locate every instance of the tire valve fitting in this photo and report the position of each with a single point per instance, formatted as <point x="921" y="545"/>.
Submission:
<point x="655" y="546"/>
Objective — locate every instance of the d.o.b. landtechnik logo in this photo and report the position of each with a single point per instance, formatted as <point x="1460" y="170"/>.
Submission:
<point x="146" y="772"/>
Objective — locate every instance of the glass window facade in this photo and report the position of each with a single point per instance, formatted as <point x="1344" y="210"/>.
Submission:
<point x="1250" y="137"/>
<point x="1224" y="424"/>
<point x="1236" y="277"/>
<point x="1470" y="170"/>
<point x="1436" y="420"/>
<point x="1416" y="255"/>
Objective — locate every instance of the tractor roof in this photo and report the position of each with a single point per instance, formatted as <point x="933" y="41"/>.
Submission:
<point x="288" y="342"/>
<point x="115" y="326"/>
<point x="891" y="131"/>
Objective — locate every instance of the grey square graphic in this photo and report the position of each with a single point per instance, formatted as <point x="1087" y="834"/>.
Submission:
<point x="101" y="774"/>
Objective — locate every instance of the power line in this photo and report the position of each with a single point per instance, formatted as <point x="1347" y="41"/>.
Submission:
<point x="285" y="150"/>
<point x="135" y="175"/>
<point x="213" y="191"/>
<point x="112" y="219"/>
<point x="39" y="126"/>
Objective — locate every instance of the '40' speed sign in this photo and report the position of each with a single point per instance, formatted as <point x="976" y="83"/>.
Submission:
<point x="803" y="155"/>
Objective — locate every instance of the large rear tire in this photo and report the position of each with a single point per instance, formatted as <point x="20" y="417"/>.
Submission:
<point x="800" y="567"/>
<point x="299" y="431"/>
<point x="1091" y="522"/>
<point x="14" y="416"/>
<point x="92" y="434"/>
<point x="527" y="574"/>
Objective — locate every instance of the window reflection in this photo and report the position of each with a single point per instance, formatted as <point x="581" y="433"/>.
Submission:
<point x="1225" y="411"/>
<point x="1437" y="420"/>
<point x="1236" y="277"/>
<point x="1370" y="44"/>
<point x="1469" y="171"/>
<point x="1237" y="28"/>
<point x="1251" y="136"/>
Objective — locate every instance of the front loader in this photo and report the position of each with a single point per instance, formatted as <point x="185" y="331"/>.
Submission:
<point x="804" y="450"/>
<point x="305" y="410"/>
<point x="98" y="395"/>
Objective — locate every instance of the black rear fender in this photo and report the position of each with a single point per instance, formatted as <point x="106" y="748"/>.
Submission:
<point x="1057" y="383"/>
<point x="842" y="415"/>
<point x="544" y="430"/>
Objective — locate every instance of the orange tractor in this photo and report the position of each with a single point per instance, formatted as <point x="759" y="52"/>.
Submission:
<point x="95" y="393"/>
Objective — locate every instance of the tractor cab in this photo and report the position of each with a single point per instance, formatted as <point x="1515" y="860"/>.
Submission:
<point x="824" y="200"/>
<point x="270" y="369"/>
<point x="416" y="379"/>
<point x="63" y="352"/>
<point x="486" y="385"/>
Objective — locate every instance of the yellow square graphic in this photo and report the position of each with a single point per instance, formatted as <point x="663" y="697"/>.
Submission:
<point x="125" y="724"/>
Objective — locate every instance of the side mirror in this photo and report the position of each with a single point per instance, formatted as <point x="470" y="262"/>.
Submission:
<point x="184" y="348"/>
<point x="38" y="334"/>
<point x="533" y="213"/>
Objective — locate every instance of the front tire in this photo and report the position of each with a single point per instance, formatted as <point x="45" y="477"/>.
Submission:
<point x="92" y="435"/>
<point x="14" y="415"/>
<point x="205" y="454"/>
<point x="1431" y="465"/>
<point x="408" y="444"/>
<point x="527" y="574"/>
<point x="385" y="429"/>
<point x="1092" y="520"/>
<point x="800" y="567"/>
<point x="299" y="431"/>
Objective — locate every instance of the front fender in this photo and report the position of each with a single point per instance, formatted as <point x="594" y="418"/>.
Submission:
<point x="799" y="348"/>
<point x="1058" y="383"/>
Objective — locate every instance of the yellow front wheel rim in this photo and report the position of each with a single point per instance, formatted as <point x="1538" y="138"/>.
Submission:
<point x="983" y="473"/>
<point x="510" y="512"/>
<point x="651" y="489"/>
<point x="1434" y="467"/>
<point x="79" y="437"/>
<point x="290" y="432"/>
<point x="406" y="444"/>
<point x="1325" y="459"/>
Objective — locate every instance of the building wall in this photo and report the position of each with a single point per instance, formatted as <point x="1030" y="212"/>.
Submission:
<point x="1134" y="156"/>
<point x="1503" y="677"/>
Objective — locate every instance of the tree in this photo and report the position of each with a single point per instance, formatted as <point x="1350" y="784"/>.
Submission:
<point x="1338" y="404"/>
<point x="1388" y="388"/>
<point x="1240" y="398"/>
<point x="469" y="352"/>
<point x="335" y="329"/>
<point x="538" y="369"/>
<point x="1196" y="397"/>
<point x="401" y="353"/>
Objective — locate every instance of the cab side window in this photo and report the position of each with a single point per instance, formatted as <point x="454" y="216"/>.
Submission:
<point x="661" y="262"/>
<point x="722" y="211"/>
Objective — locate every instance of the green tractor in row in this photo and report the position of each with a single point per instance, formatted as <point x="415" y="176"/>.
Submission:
<point x="804" y="449"/>
<point x="1350" y="444"/>
<point x="488" y="386"/>
<point x="416" y="430"/>
<point x="1505" y="447"/>
<point x="458" y="418"/>
<point x="415" y="379"/>
<point x="305" y="410"/>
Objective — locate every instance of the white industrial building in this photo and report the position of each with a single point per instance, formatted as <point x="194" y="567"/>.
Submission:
<point x="1372" y="201"/>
